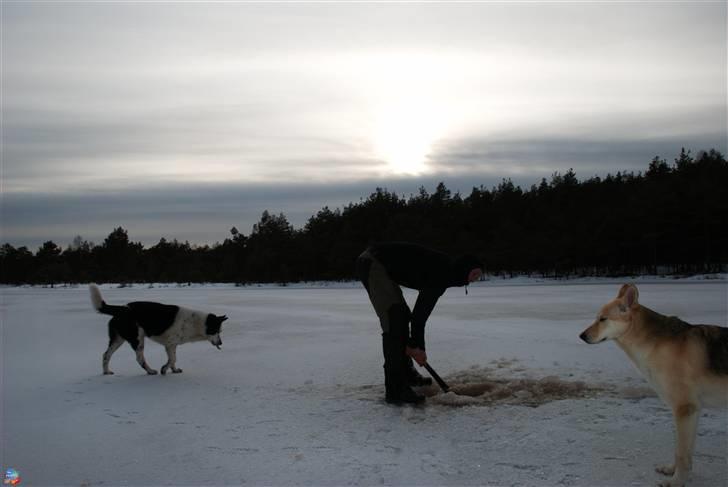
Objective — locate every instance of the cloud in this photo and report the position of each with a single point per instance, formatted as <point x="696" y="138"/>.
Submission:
<point x="200" y="213"/>
<point x="203" y="213"/>
<point x="183" y="120"/>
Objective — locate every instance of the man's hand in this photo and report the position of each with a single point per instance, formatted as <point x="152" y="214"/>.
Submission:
<point x="418" y="354"/>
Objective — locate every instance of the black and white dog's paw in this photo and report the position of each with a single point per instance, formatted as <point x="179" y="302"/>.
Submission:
<point x="174" y="370"/>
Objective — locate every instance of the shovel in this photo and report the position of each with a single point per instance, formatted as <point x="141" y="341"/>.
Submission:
<point x="443" y="385"/>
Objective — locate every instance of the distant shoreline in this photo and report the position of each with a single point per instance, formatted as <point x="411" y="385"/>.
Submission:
<point x="718" y="278"/>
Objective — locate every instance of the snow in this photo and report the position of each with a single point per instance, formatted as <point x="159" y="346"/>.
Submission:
<point x="295" y="397"/>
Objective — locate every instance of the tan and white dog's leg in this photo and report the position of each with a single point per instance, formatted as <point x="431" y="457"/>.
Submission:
<point x="686" y="424"/>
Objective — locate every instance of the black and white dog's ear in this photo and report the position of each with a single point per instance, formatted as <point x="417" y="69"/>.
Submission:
<point x="223" y="318"/>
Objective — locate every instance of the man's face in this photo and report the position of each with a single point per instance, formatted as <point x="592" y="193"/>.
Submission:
<point x="475" y="274"/>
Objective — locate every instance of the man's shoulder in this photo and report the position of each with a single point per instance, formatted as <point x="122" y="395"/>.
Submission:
<point x="411" y="248"/>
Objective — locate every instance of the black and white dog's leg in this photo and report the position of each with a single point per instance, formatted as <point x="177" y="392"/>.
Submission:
<point x="171" y="360"/>
<point x="115" y="341"/>
<point x="138" y="347"/>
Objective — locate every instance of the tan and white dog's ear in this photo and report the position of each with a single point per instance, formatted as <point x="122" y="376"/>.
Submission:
<point x="623" y="290"/>
<point x="630" y="295"/>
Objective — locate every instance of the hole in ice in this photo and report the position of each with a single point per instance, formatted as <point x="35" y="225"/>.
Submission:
<point x="475" y="387"/>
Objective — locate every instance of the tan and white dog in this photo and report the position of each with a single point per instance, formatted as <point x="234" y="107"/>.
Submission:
<point x="686" y="364"/>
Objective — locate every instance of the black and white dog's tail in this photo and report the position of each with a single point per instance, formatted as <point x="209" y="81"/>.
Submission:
<point x="100" y="305"/>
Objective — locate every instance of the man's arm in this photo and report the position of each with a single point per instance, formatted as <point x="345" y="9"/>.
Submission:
<point x="424" y="305"/>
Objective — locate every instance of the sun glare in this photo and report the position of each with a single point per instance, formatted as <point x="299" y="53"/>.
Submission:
<point x="404" y="135"/>
<point x="407" y="94"/>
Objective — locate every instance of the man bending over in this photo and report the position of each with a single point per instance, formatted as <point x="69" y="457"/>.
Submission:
<point x="383" y="268"/>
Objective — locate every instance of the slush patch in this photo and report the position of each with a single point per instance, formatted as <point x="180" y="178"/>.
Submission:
<point x="476" y="389"/>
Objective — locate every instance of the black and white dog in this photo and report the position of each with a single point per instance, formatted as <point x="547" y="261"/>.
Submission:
<point x="166" y="324"/>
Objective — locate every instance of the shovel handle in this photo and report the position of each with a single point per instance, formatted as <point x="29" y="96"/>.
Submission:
<point x="443" y="385"/>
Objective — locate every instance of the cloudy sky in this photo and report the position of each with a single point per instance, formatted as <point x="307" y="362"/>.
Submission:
<point x="181" y="120"/>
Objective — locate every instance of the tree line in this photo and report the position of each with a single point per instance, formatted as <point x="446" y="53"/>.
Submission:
<point x="671" y="219"/>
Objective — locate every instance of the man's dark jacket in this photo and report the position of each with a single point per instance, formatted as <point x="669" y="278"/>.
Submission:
<point x="429" y="271"/>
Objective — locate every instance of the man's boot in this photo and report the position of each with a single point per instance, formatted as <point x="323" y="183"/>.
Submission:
<point x="395" y="381"/>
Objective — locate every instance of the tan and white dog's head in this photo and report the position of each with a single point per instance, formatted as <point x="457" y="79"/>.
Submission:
<point x="615" y="317"/>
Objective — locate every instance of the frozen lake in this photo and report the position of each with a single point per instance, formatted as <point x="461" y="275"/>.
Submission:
<point x="295" y="397"/>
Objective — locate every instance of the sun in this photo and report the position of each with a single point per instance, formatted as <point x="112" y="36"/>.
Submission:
<point x="405" y="131"/>
<point x="408" y="97"/>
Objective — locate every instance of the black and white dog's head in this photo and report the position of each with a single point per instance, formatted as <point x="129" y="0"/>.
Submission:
<point x="213" y="323"/>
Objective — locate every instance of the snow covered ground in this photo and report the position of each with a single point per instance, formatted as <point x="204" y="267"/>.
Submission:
<point x="295" y="395"/>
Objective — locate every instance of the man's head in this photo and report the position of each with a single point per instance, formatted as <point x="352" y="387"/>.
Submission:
<point x="468" y="268"/>
<point x="475" y="274"/>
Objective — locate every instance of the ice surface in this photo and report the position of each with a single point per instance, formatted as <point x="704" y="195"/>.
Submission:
<point x="295" y="395"/>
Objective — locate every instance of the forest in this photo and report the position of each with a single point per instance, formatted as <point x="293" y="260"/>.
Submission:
<point x="671" y="219"/>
